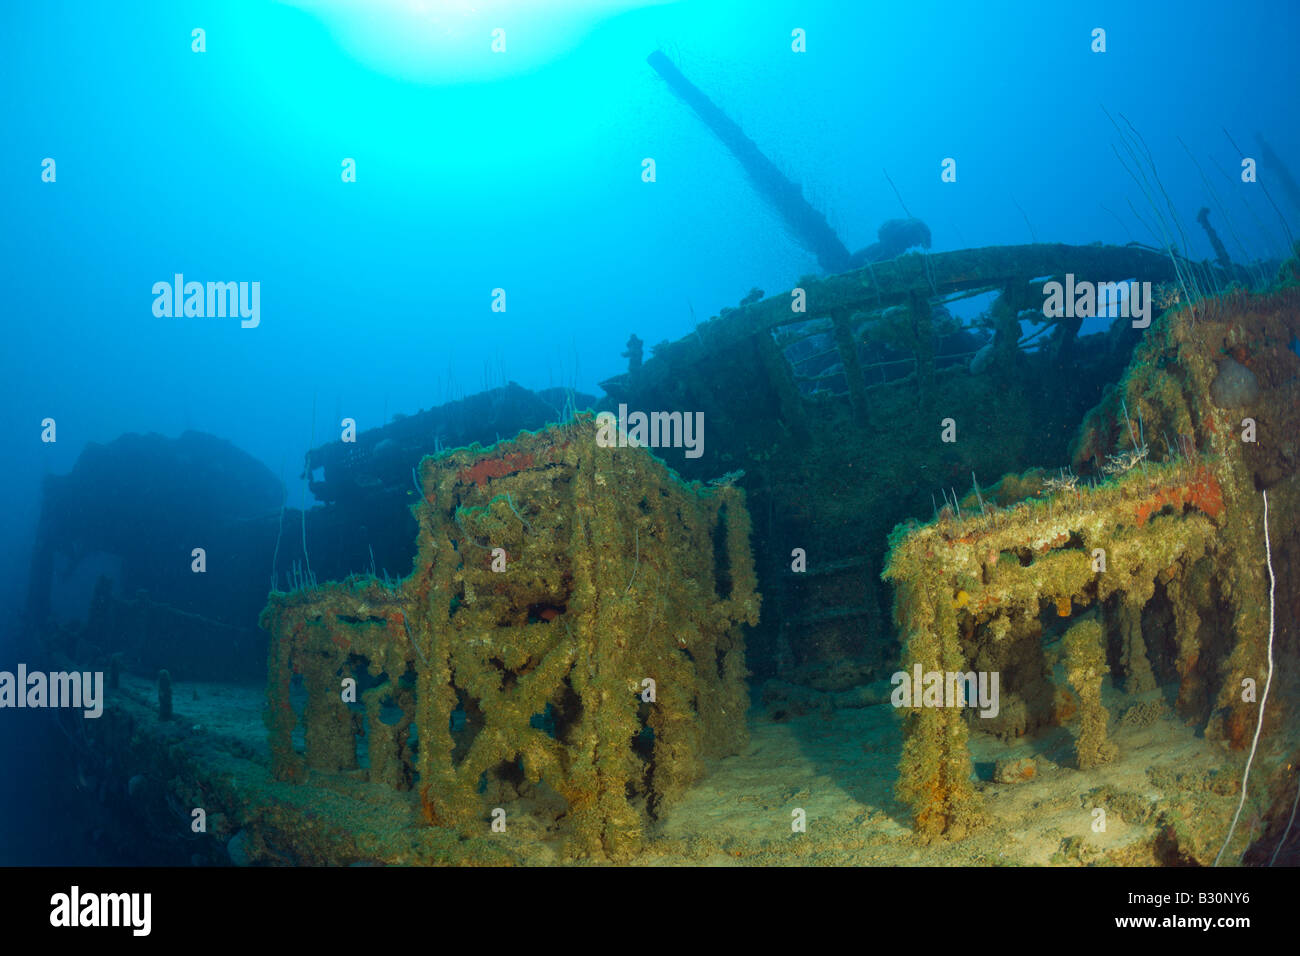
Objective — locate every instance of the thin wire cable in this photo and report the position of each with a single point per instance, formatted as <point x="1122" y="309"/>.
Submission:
<point x="1259" y="725"/>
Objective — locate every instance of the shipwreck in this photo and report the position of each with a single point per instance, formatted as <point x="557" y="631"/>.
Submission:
<point x="512" y="642"/>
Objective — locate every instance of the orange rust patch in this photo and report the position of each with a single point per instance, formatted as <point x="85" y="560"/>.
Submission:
<point x="1063" y="607"/>
<point x="1206" y="494"/>
<point x="1202" y="492"/>
<point x="1022" y="771"/>
<point x="488" y="468"/>
<point x="1064" y="706"/>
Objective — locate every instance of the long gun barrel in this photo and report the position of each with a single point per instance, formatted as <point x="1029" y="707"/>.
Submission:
<point x="807" y="224"/>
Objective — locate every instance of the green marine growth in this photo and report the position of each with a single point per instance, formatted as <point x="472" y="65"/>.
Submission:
<point x="571" y="629"/>
<point x="1085" y="666"/>
<point x="1164" y="547"/>
<point x="1136" y="663"/>
<point x="970" y="593"/>
<point x="935" y="771"/>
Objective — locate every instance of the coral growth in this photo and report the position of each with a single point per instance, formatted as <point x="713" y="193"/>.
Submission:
<point x="969" y="594"/>
<point x="1177" y="539"/>
<point x="569" y="636"/>
<point x="1085" y="663"/>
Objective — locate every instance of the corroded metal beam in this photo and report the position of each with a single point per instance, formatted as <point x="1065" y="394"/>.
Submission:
<point x="894" y="282"/>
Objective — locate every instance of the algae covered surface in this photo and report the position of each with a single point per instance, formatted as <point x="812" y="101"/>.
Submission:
<point x="620" y="434"/>
<point x="565" y="630"/>
<point x="562" y="678"/>
<point x="828" y="765"/>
